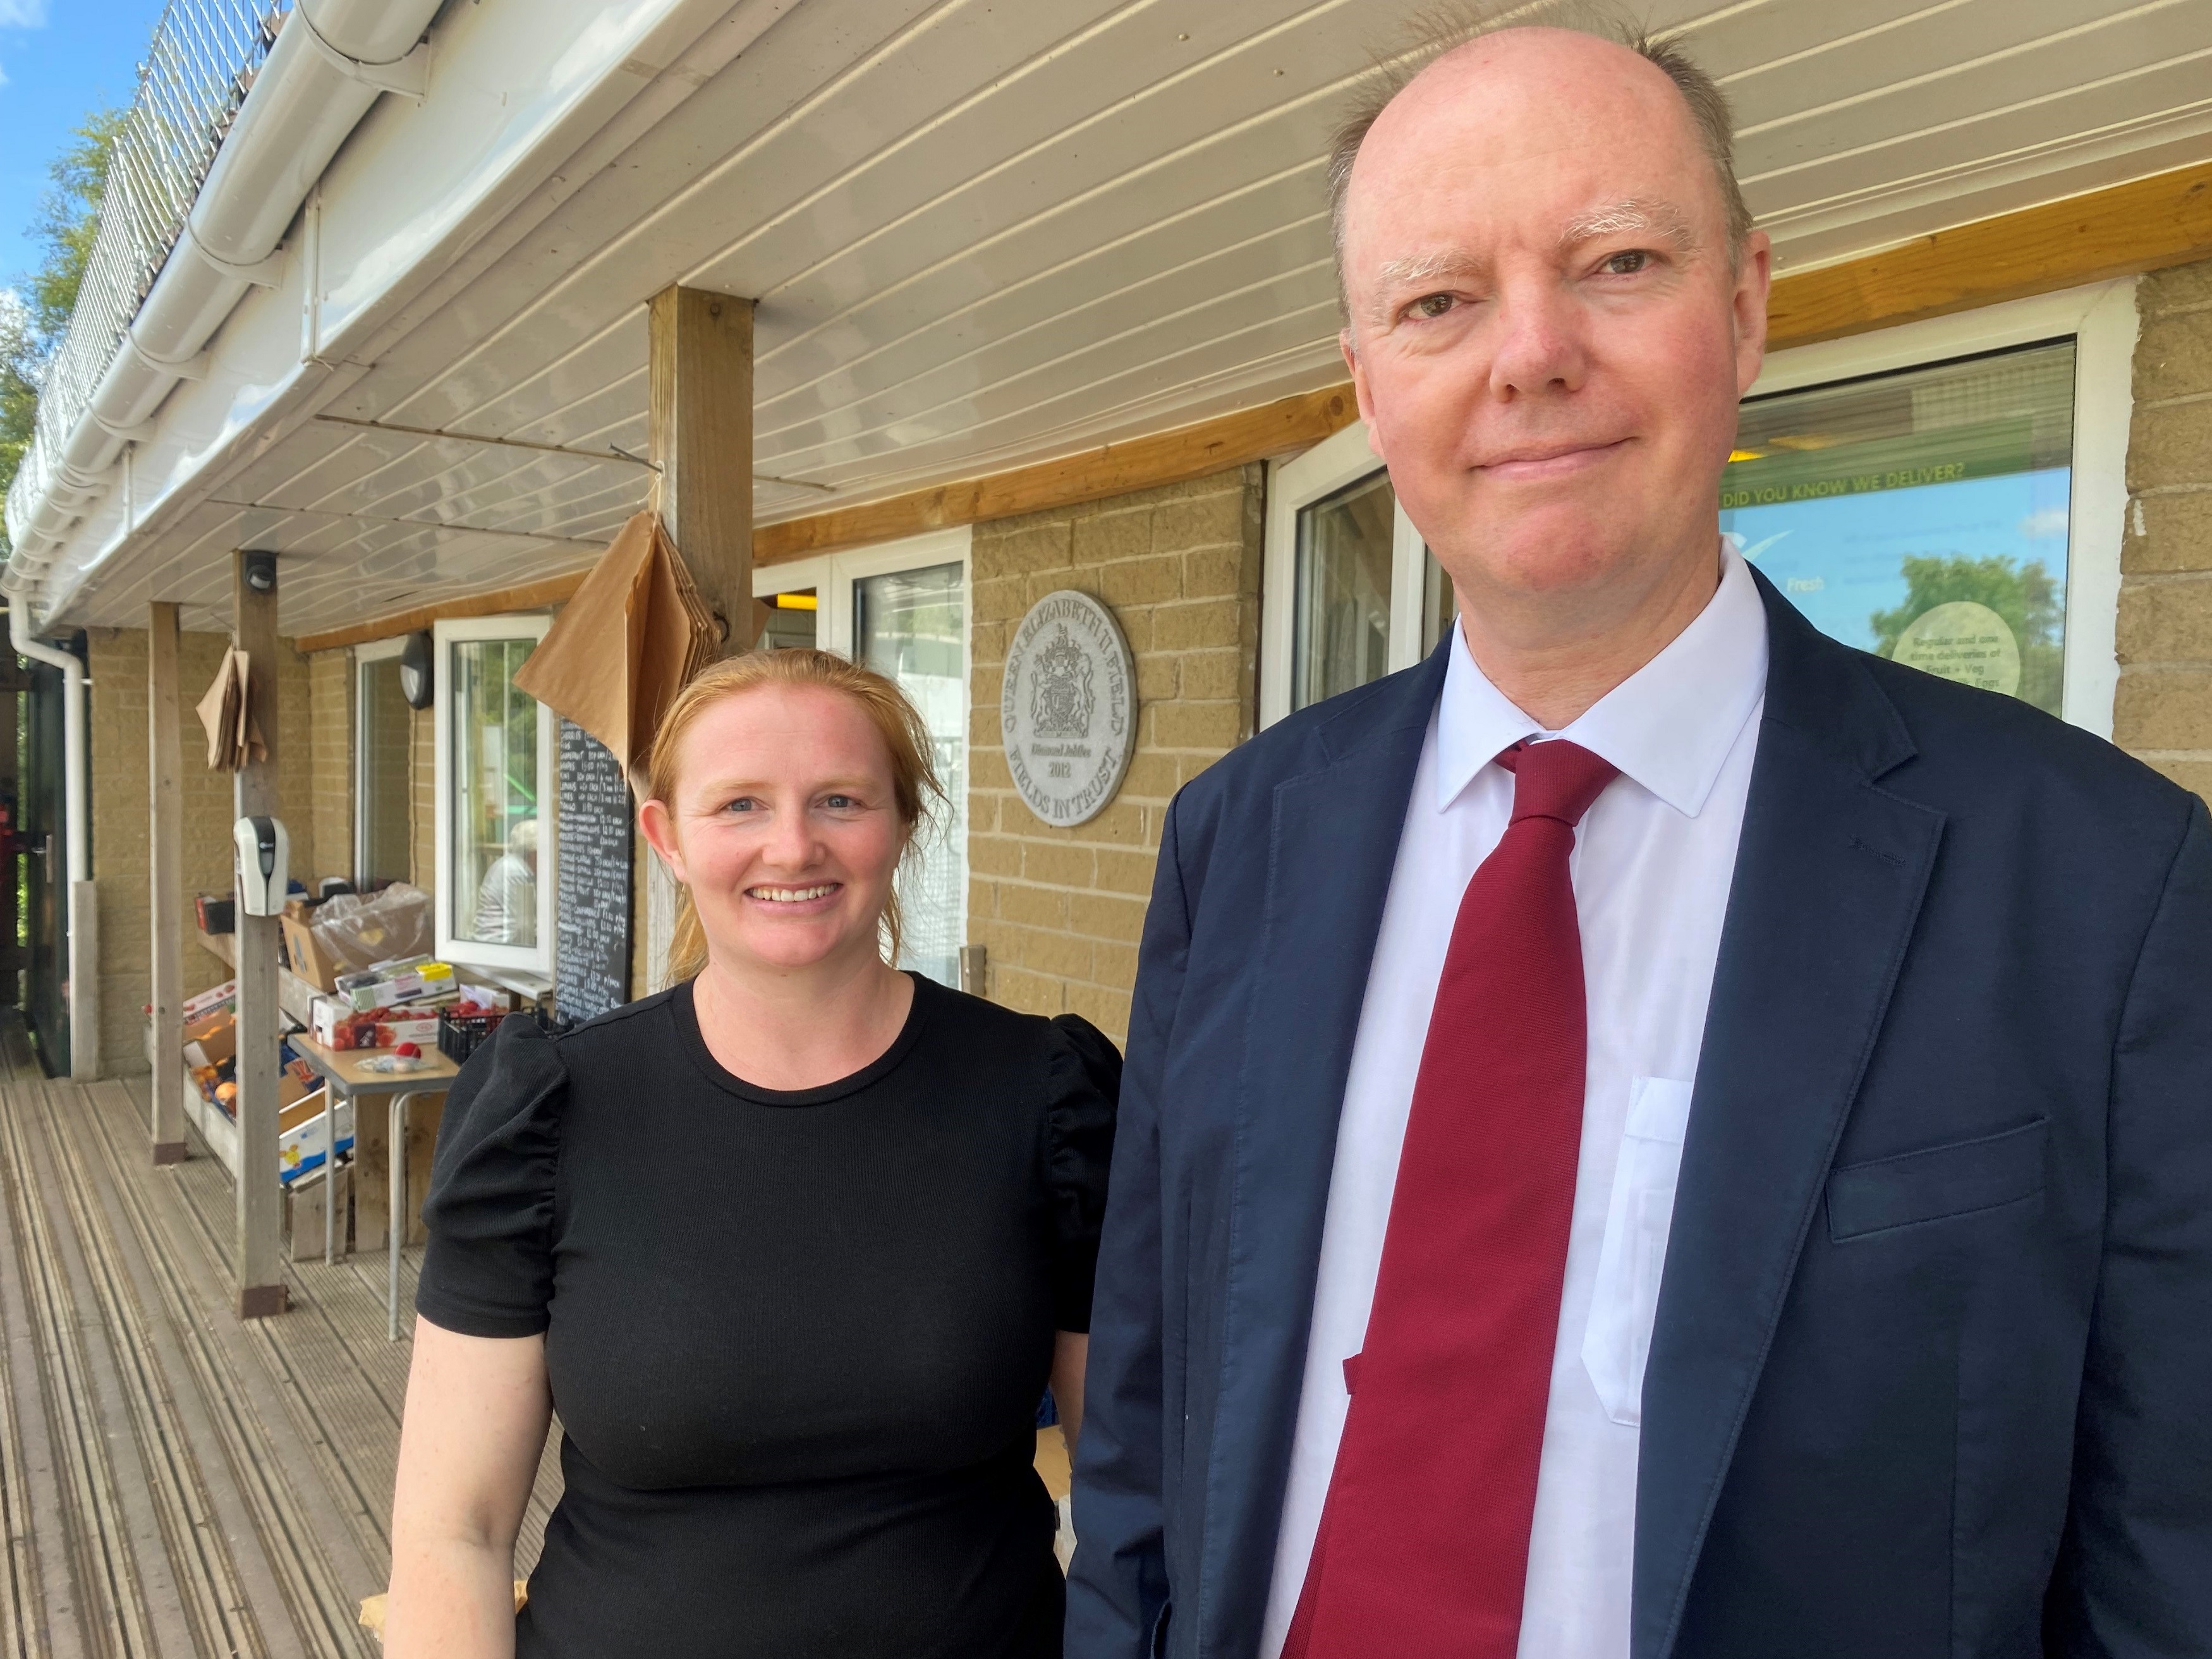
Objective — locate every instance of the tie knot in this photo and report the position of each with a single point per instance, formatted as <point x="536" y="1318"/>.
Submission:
<point x="1555" y="780"/>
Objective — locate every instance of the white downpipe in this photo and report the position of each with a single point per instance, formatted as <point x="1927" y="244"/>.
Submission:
<point x="333" y="59"/>
<point x="84" y="948"/>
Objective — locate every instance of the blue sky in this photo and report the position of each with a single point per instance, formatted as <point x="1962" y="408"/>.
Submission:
<point x="61" y="59"/>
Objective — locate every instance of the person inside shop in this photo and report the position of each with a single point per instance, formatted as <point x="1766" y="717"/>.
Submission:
<point x="507" y="897"/>
<point x="794" y="1248"/>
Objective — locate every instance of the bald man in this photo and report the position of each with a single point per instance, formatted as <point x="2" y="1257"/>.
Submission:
<point x="1652" y="1134"/>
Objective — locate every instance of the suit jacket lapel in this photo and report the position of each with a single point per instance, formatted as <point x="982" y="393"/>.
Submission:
<point x="1829" y="876"/>
<point x="1332" y="843"/>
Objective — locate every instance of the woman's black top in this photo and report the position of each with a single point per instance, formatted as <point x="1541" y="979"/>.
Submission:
<point x="796" y="1339"/>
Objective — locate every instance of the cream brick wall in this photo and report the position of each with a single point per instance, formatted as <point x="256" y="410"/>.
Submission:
<point x="424" y="810"/>
<point x="118" y="786"/>
<point x="2164" y="708"/>
<point x="1062" y="910"/>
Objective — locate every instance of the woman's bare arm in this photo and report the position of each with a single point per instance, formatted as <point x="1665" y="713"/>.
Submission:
<point x="1069" y="1349"/>
<point x="477" y="1410"/>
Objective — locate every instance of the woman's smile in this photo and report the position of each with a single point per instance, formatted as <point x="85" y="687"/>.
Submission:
<point x="816" y="896"/>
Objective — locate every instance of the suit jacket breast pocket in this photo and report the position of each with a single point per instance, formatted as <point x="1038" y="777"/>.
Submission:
<point x="1941" y="1183"/>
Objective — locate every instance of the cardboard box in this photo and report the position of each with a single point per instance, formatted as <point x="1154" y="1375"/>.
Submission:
<point x="224" y="995"/>
<point x="217" y="912"/>
<point x="211" y="1040"/>
<point x="390" y="1033"/>
<point x="309" y="960"/>
<point x="336" y="1025"/>
<point x="301" y="1144"/>
<point x="294" y="1084"/>
<point x="408" y="984"/>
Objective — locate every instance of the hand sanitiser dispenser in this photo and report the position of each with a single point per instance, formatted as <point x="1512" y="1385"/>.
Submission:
<point x="262" y="876"/>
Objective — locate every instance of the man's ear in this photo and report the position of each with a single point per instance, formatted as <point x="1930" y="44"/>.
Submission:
<point x="1360" y="392"/>
<point x="1754" y="277"/>
<point x="658" y="825"/>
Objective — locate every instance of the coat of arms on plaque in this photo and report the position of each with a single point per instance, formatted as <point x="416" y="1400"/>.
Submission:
<point x="1062" y="699"/>
<point x="1067" y="707"/>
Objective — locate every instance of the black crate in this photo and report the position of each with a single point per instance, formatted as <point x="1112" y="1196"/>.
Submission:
<point x="461" y="1036"/>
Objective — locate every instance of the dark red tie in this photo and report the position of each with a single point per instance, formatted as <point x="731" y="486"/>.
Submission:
<point x="1423" y="1551"/>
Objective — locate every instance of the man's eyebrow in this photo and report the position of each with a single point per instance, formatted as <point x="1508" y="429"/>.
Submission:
<point x="1399" y="274"/>
<point x="1661" y="219"/>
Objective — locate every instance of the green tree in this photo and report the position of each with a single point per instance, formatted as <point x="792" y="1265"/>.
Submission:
<point x="35" y="317"/>
<point x="2022" y="593"/>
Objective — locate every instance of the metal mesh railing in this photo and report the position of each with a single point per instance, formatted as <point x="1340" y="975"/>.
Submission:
<point x="204" y="56"/>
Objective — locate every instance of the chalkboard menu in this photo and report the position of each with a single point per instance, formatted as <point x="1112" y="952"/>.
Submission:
<point x="591" y="955"/>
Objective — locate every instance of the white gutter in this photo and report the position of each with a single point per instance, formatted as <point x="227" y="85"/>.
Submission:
<point x="84" y="942"/>
<point x="332" y="60"/>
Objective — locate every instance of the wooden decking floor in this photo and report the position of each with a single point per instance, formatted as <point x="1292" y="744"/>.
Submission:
<point x="175" y="1482"/>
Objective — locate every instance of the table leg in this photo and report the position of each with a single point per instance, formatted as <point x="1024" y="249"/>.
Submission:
<point x="396" y="1228"/>
<point x="330" y="1177"/>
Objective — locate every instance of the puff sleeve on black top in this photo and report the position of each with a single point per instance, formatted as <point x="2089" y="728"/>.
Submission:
<point x="489" y="1268"/>
<point x="1084" y="1081"/>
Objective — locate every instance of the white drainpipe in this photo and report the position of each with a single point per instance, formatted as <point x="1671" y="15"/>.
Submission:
<point x="84" y="916"/>
<point x="333" y="59"/>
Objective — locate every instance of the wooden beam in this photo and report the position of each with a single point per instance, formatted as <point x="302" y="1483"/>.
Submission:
<point x="165" y="837"/>
<point x="700" y="399"/>
<point x="525" y="596"/>
<point x="2143" y="225"/>
<point x="260" y="1189"/>
<point x="1164" y="458"/>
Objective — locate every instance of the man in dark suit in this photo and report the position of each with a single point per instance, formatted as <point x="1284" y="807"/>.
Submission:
<point x="1652" y="1134"/>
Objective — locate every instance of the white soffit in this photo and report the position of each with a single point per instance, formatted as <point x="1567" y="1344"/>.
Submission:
<point x="983" y="233"/>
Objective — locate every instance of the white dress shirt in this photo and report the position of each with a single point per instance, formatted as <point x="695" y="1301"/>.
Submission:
<point x="1651" y="868"/>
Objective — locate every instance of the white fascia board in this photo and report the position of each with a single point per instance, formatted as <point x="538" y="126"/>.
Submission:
<point x="516" y="93"/>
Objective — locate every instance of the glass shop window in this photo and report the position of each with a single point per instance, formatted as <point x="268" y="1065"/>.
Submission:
<point x="1923" y="515"/>
<point x="495" y="788"/>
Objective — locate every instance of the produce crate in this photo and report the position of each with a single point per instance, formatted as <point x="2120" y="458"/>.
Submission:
<point x="461" y="1036"/>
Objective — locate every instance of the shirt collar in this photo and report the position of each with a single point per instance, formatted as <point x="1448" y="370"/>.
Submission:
<point x="1670" y="725"/>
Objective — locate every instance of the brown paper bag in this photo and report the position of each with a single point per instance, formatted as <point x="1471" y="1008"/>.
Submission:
<point x="623" y="647"/>
<point x="226" y="713"/>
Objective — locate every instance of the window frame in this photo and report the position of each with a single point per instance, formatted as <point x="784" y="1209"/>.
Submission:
<point x="2101" y="318"/>
<point x="536" y="960"/>
<point x="1330" y="465"/>
<point x="374" y="650"/>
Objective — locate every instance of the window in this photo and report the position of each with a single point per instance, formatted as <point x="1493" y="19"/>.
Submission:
<point x="902" y="610"/>
<point x="1350" y="593"/>
<point x="496" y="795"/>
<point x="1947" y="493"/>
<point x="384" y="726"/>
<point x="912" y="626"/>
<point x="1950" y="493"/>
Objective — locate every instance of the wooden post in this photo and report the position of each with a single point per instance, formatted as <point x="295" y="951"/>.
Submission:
<point x="260" y="1196"/>
<point x="165" y="837"/>
<point x="701" y="395"/>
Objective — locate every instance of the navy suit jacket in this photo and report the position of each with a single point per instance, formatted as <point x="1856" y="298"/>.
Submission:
<point x="1932" y="1368"/>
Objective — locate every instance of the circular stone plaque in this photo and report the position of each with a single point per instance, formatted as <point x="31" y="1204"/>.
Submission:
<point x="1068" y="710"/>
<point x="1963" y="641"/>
